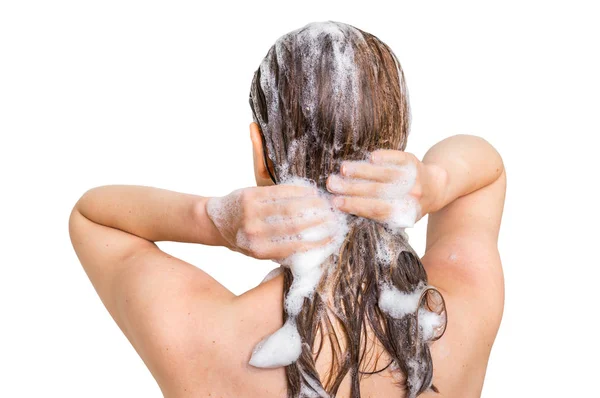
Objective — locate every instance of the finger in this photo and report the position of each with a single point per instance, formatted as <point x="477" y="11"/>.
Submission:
<point x="277" y="192"/>
<point x="298" y="207"/>
<point x="374" y="209"/>
<point x="296" y="225"/>
<point x="353" y="187"/>
<point x="369" y="171"/>
<point x="283" y="249"/>
<point x="389" y="156"/>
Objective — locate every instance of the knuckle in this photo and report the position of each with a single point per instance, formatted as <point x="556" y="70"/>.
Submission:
<point x="289" y="209"/>
<point x="411" y="157"/>
<point x="417" y="191"/>
<point x="251" y="229"/>
<point x="347" y="204"/>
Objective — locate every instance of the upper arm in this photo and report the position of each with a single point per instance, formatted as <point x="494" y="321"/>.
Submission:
<point x="462" y="259"/>
<point x="153" y="297"/>
<point x="462" y="240"/>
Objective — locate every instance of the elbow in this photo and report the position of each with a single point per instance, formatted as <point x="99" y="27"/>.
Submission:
<point x="495" y="158"/>
<point x="74" y="218"/>
<point x="83" y="200"/>
<point x="77" y="213"/>
<point x="483" y="146"/>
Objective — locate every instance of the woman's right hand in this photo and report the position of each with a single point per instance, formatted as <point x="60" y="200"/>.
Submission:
<point x="272" y="222"/>
<point x="393" y="187"/>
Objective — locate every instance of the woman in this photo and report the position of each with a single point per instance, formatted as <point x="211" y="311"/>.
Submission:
<point x="366" y="317"/>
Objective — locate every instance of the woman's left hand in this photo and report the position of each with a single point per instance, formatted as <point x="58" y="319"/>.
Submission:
<point x="272" y="222"/>
<point x="392" y="187"/>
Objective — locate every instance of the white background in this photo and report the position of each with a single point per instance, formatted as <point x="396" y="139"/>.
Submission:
<point x="156" y="93"/>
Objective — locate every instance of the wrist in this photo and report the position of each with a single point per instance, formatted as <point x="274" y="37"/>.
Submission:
<point x="207" y="231"/>
<point x="438" y="187"/>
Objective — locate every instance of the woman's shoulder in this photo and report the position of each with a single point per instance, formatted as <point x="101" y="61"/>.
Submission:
<point x="207" y="353"/>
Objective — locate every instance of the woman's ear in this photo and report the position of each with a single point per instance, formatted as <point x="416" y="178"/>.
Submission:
<point x="261" y="174"/>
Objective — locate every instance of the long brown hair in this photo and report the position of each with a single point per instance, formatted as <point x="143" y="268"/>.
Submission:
<point x="325" y="93"/>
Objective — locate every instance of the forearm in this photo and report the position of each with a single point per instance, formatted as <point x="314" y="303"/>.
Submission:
<point x="469" y="163"/>
<point x="151" y="213"/>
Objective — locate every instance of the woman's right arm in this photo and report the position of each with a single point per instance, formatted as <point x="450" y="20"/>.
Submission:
<point x="460" y="183"/>
<point x="468" y="164"/>
<point x="392" y="182"/>
<point x="462" y="258"/>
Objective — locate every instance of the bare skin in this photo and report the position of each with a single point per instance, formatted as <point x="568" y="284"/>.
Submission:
<point x="196" y="337"/>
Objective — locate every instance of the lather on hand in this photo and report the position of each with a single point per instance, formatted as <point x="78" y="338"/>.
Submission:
<point x="392" y="187"/>
<point x="272" y="222"/>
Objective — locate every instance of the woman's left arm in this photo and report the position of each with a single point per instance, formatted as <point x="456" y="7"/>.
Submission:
<point x="113" y="229"/>
<point x="154" y="298"/>
<point x="150" y="213"/>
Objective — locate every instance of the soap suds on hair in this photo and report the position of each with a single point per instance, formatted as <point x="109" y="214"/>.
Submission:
<point x="415" y="370"/>
<point x="397" y="303"/>
<point x="429" y="322"/>
<point x="282" y="348"/>
<point x="306" y="70"/>
<point x="307" y="268"/>
<point x="306" y="46"/>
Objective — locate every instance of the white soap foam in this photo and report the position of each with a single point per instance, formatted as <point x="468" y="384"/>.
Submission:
<point x="302" y="287"/>
<point x="319" y="232"/>
<point x="282" y="348"/>
<point x="404" y="213"/>
<point x="397" y="303"/>
<point x="308" y="214"/>
<point x="307" y="268"/>
<point x="405" y="208"/>
<point x="242" y="240"/>
<point x="429" y="322"/>
<point x="221" y="210"/>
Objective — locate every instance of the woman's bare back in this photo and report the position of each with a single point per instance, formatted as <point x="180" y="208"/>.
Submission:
<point x="196" y="337"/>
<point x="460" y="356"/>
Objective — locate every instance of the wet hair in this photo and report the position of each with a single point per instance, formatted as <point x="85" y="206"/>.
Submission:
<point x="325" y="93"/>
